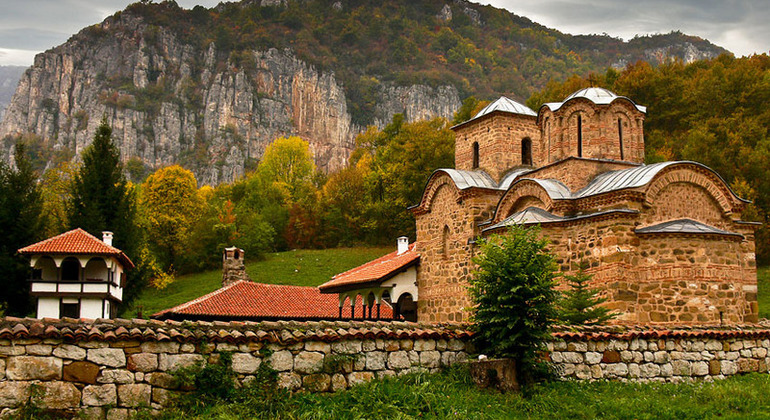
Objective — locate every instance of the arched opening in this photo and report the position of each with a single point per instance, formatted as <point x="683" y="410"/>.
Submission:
<point x="580" y="136"/>
<point x="445" y="242"/>
<point x="407" y="308"/>
<point x="96" y="270"/>
<point x="475" y="155"/>
<point x="70" y="269"/>
<point x="526" y="151"/>
<point x="370" y="304"/>
<point x="620" y="136"/>
<point x="45" y="269"/>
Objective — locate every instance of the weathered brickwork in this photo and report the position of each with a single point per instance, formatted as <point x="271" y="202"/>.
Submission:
<point x="499" y="138"/>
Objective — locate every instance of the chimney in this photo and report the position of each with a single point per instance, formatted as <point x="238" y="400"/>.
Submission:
<point x="107" y="237"/>
<point x="233" y="267"/>
<point x="403" y="244"/>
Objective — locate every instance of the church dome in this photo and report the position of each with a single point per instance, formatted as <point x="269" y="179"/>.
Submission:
<point x="505" y="105"/>
<point x="597" y="95"/>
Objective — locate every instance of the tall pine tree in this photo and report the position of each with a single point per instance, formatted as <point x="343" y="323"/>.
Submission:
<point x="102" y="200"/>
<point x="20" y="224"/>
<point x="579" y="304"/>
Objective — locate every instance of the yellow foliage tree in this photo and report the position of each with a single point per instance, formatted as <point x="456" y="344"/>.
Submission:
<point x="171" y="205"/>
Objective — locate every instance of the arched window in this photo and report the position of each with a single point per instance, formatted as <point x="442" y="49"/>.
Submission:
<point x="620" y="136"/>
<point x="475" y="155"/>
<point x="580" y="135"/>
<point x="526" y="151"/>
<point x="70" y="269"/>
<point x="445" y="242"/>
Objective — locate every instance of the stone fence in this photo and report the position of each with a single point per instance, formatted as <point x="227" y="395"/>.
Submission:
<point x="109" y="368"/>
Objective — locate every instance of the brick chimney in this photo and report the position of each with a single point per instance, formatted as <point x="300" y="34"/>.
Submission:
<point x="233" y="267"/>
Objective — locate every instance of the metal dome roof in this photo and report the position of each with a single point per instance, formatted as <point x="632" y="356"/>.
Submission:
<point x="597" y="95"/>
<point x="505" y="105"/>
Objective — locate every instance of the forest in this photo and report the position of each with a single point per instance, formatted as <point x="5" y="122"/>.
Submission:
<point x="709" y="111"/>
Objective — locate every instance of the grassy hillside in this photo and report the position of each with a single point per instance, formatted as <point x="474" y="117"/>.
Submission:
<point x="763" y="283"/>
<point x="298" y="267"/>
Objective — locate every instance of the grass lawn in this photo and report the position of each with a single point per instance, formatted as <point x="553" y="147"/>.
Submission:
<point x="763" y="292"/>
<point x="451" y="395"/>
<point x="299" y="267"/>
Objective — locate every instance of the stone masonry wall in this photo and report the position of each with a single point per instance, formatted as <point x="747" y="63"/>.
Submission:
<point x="110" y="368"/>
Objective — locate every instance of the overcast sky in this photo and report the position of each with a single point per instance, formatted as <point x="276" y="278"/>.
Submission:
<point x="28" y="27"/>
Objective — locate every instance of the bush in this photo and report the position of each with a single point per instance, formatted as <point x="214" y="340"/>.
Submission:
<point x="579" y="305"/>
<point x="514" y="298"/>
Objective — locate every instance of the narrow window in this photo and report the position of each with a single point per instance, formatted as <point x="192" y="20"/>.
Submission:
<point x="580" y="136"/>
<point x="526" y="152"/>
<point x="475" y="155"/>
<point x="445" y="242"/>
<point x="620" y="137"/>
<point x="69" y="309"/>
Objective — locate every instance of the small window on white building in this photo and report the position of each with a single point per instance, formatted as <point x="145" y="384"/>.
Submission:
<point x="69" y="308"/>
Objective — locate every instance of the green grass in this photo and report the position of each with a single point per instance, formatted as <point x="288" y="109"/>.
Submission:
<point x="299" y="267"/>
<point x="763" y="291"/>
<point x="451" y="395"/>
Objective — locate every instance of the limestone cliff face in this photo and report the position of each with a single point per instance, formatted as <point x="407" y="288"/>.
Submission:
<point x="212" y="112"/>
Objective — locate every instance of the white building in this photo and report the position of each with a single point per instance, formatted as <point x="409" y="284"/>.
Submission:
<point x="77" y="275"/>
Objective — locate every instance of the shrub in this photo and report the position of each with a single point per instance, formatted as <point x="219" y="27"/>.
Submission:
<point x="580" y="304"/>
<point x="514" y="299"/>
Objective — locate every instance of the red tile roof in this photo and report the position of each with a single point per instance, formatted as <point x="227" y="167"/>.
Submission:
<point x="258" y="301"/>
<point x="283" y="332"/>
<point x="377" y="270"/>
<point x="76" y="242"/>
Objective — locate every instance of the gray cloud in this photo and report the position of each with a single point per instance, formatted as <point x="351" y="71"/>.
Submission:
<point x="742" y="26"/>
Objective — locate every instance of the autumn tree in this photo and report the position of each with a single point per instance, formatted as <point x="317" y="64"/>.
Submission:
<point x="56" y="193"/>
<point x="21" y="225"/>
<point x="170" y="206"/>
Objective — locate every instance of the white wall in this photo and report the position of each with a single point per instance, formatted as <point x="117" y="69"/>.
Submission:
<point x="48" y="307"/>
<point x="91" y="308"/>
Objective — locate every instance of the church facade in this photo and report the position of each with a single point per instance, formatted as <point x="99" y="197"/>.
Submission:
<point x="665" y="242"/>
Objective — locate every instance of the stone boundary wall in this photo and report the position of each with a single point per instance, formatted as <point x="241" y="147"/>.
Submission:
<point x="110" y="368"/>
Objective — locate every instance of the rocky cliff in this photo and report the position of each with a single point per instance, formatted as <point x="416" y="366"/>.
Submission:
<point x="168" y="103"/>
<point x="9" y="79"/>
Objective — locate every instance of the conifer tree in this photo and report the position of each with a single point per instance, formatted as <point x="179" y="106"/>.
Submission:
<point x="102" y="200"/>
<point x="580" y="304"/>
<point x="20" y="224"/>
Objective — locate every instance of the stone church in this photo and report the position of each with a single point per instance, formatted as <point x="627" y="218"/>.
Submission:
<point x="665" y="241"/>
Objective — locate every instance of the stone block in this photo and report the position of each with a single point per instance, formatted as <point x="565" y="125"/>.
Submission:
<point x="356" y="378"/>
<point x="715" y="367"/>
<point x="347" y="347"/>
<point x="115" y="376"/>
<point x="728" y="367"/>
<point x="170" y="362"/>
<point x="448" y="358"/>
<point x="309" y="362"/>
<point x="339" y="382"/>
<point x="369" y="345"/>
<point x="134" y="395"/>
<point x="666" y="370"/>
<point x="68" y="351"/>
<point x="560" y="345"/>
<point x="118" y="414"/>
<point x="582" y="371"/>
<point x="634" y="371"/>
<point x="455" y="345"/>
<point x="318" y="382"/>
<point x="392" y="345"/>
<point x="282" y="360"/>
<point x="441" y="344"/>
<point x="500" y="374"/>
<point x="398" y="360"/>
<point x="91" y="413"/>
<point x="162" y="380"/>
<point x="661" y="357"/>
<point x="12" y="350"/>
<point x="39" y="350"/>
<point x="2" y="369"/>
<point x="615" y="369"/>
<point x="160" y="347"/>
<point x="414" y="357"/>
<point x="107" y="357"/>
<point x="596" y="372"/>
<point x="186" y="348"/>
<point x="681" y="368"/>
<point x="748" y="365"/>
<point x="376" y="360"/>
<point x="577" y="346"/>
<point x="245" y="363"/>
<point x="593" y="357"/>
<point x="28" y="368"/>
<point x="700" y="368"/>
<point x="289" y="380"/>
<point x="572" y="357"/>
<point x="13" y="394"/>
<point x="143" y="362"/>
<point x="228" y="347"/>
<point x="430" y="359"/>
<point x="713" y="345"/>
<point x="85" y="372"/>
<point x="424" y="345"/>
<point x="318" y="346"/>
<point x="60" y="395"/>
<point x="406" y="344"/>
<point x="649" y="370"/>
<point x="100" y="395"/>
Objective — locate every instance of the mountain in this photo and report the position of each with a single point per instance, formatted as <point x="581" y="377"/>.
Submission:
<point x="210" y="88"/>
<point x="9" y="79"/>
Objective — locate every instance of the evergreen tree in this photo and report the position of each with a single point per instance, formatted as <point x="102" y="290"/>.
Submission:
<point x="580" y="304"/>
<point x="102" y="200"/>
<point x="514" y="299"/>
<point x="20" y="223"/>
